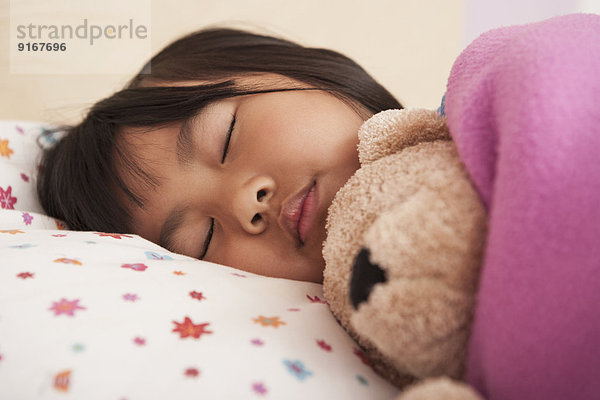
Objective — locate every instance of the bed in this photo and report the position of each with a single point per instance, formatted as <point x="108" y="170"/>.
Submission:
<point x="95" y="315"/>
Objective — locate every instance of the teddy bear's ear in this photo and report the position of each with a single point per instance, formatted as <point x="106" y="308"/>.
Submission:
<point x="391" y="131"/>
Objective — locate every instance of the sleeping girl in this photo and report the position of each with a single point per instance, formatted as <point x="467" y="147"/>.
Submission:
<point x="229" y="147"/>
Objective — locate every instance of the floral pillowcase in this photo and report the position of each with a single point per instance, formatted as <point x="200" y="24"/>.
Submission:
<point x="20" y="147"/>
<point x="94" y="315"/>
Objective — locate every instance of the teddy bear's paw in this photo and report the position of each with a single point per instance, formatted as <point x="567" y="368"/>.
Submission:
<point x="439" y="388"/>
<point x="365" y="275"/>
<point x="390" y="131"/>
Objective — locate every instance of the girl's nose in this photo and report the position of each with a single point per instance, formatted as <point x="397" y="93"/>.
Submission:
<point x="251" y="203"/>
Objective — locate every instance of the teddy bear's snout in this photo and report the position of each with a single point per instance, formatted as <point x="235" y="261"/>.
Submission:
<point x="365" y="275"/>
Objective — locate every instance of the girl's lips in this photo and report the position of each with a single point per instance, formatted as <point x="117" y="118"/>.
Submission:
<point x="307" y="219"/>
<point x="297" y="214"/>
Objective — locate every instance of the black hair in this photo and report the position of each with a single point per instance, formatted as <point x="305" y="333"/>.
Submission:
<point x="78" y="181"/>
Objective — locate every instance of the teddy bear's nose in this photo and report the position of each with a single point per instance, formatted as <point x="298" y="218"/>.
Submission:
<point x="365" y="275"/>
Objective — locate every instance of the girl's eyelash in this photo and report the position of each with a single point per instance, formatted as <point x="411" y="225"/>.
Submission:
<point x="227" y="139"/>
<point x="212" y="220"/>
<point x="208" y="238"/>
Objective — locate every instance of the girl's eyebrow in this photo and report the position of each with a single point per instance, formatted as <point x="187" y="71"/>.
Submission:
<point x="171" y="225"/>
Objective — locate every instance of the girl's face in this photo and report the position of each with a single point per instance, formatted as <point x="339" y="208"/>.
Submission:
<point x="250" y="182"/>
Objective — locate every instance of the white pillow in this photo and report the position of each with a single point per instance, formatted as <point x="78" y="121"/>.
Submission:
<point x="86" y="315"/>
<point x="19" y="151"/>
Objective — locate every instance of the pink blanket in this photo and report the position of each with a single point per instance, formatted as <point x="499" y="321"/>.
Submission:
<point x="523" y="105"/>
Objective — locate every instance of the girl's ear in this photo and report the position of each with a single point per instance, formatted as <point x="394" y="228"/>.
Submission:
<point x="391" y="131"/>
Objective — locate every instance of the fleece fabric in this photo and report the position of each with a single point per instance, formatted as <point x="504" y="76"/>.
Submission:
<point x="523" y="106"/>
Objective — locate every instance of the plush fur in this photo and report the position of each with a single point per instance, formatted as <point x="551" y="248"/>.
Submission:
<point x="404" y="246"/>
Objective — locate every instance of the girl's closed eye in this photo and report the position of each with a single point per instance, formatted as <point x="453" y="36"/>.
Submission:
<point x="212" y="220"/>
<point x="208" y="238"/>
<point x="228" y="138"/>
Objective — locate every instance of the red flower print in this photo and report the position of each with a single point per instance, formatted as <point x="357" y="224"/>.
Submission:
<point x="239" y="275"/>
<point x="27" y="218"/>
<point x="59" y="235"/>
<point x="113" y="235"/>
<point x="6" y="200"/>
<point x="316" y="299"/>
<point x="140" y="341"/>
<point x="65" y="306"/>
<point x="68" y="261"/>
<point x="322" y="344"/>
<point x="25" y="177"/>
<point x="362" y="357"/>
<point x="135" y="267"/>
<point x="257" y="342"/>
<point x="192" y="372"/>
<point x="197" y="295"/>
<point x="61" y="380"/>
<point x="25" y="275"/>
<point x="259" y="388"/>
<point x="19" y="129"/>
<point x="187" y="328"/>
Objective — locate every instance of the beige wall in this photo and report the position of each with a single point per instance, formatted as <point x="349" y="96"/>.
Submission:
<point x="408" y="45"/>
<point x="483" y="15"/>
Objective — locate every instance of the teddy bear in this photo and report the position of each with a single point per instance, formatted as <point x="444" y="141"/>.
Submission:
<point x="404" y="247"/>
